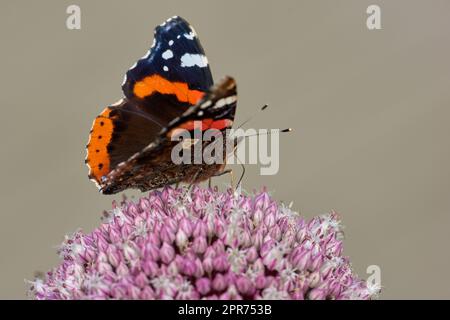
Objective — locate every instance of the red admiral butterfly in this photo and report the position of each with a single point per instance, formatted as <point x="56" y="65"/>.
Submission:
<point x="171" y="87"/>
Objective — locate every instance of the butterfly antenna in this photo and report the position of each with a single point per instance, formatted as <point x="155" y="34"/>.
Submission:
<point x="269" y="132"/>
<point x="264" y="107"/>
<point x="191" y="183"/>
<point x="242" y="174"/>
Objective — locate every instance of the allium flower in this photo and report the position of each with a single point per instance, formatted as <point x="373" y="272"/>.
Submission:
<point x="204" y="245"/>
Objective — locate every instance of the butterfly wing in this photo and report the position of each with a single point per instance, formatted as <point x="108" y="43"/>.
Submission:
<point x="160" y="87"/>
<point x="175" y="64"/>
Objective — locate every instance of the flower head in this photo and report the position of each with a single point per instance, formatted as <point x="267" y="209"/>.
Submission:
<point x="207" y="245"/>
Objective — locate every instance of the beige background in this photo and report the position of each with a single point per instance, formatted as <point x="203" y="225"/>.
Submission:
<point x="370" y="111"/>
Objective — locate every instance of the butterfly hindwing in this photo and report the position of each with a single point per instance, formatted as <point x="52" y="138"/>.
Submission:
<point x="153" y="167"/>
<point x="119" y="132"/>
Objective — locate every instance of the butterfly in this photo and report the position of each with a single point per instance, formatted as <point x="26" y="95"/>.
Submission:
<point x="171" y="87"/>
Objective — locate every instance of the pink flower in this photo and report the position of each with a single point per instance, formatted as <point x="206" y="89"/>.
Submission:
<point x="208" y="245"/>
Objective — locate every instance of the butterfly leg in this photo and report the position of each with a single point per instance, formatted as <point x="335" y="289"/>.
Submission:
<point x="232" y="181"/>
<point x="242" y="174"/>
<point x="194" y="178"/>
<point x="229" y="171"/>
<point x="222" y="173"/>
<point x="236" y="143"/>
<point x="217" y="175"/>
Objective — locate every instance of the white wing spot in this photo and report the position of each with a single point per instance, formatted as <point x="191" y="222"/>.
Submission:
<point x="225" y="102"/>
<point x="174" y="17"/>
<point x="205" y="104"/>
<point x="167" y="54"/>
<point x="115" y="104"/>
<point x="231" y="99"/>
<point x="165" y="68"/>
<point x="190" y="35"/>
<point x="170" y="42"/>
<point x="220" y="103"/>
<point x="146" y="55"/>
<point x="190" y="60"/>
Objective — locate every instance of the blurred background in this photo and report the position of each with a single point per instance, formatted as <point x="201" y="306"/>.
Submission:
<point x="370" y="111"/>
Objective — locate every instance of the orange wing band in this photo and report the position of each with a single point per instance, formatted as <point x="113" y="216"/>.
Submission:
<point x="155" y="83"/>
